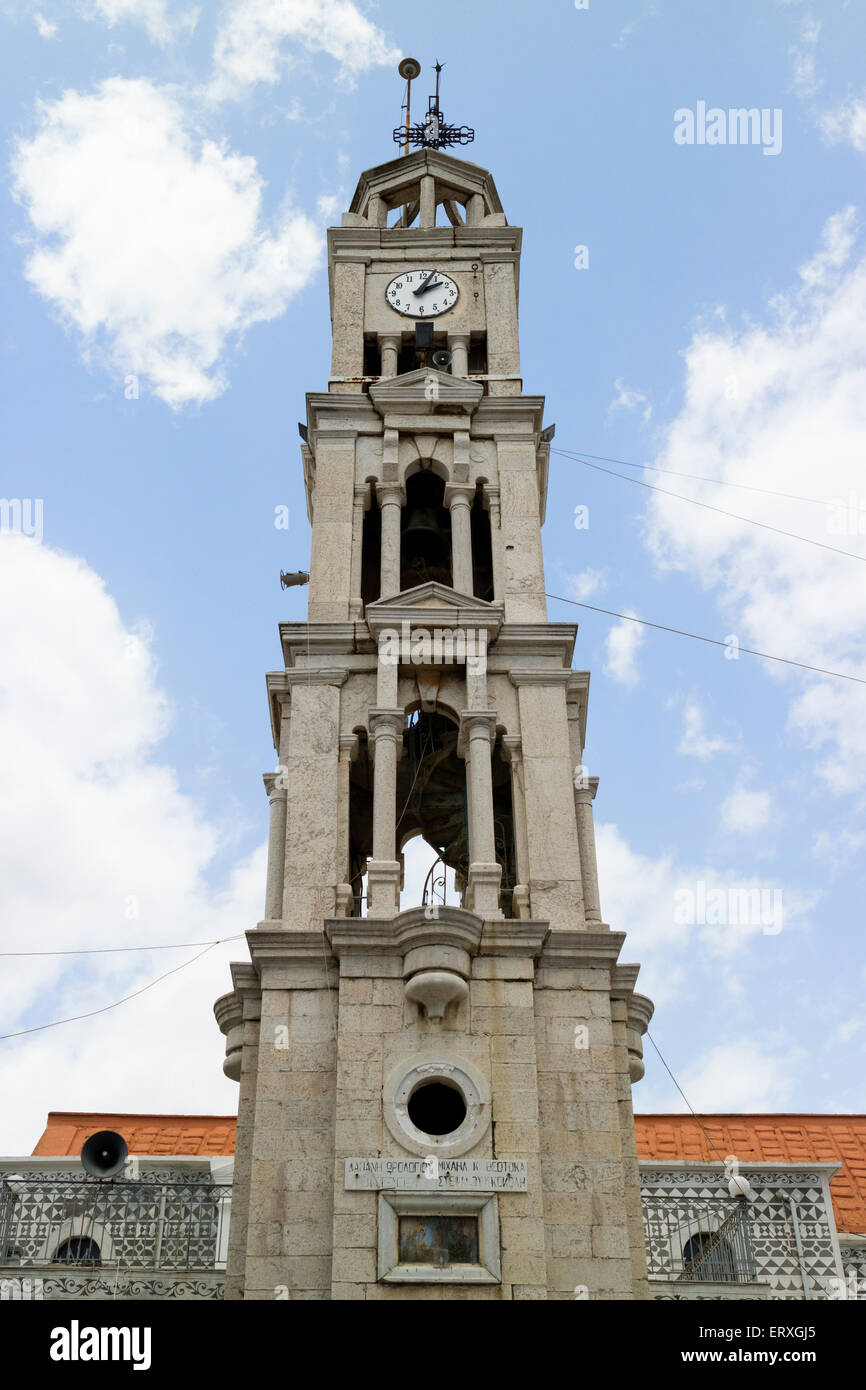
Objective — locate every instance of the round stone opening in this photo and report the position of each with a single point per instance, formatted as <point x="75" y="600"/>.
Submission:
<point x="436" y="1108"/>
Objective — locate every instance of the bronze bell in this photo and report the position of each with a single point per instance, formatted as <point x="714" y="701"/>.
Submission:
<point x="424" y="537"/>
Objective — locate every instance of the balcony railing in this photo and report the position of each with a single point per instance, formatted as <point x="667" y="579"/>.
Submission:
<point x="707" y="1241"/>
<point x="89" y="1224"/>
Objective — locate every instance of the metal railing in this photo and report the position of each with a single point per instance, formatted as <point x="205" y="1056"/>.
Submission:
<point x="699" y="1240"/>
<point x="91" y="1223"/>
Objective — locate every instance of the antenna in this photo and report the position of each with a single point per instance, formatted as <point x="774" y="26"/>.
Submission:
<point x="433" y="133"/>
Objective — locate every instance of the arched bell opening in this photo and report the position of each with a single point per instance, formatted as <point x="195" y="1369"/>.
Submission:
<point x="503" y="826"/>
<point x="371" y="550"/>
<point x="425" y="533"/>
<point x="482" y="548"/>
<point x="431" y="791"/>
<point x="428" y="882"/>
<point x="360" y="821"/>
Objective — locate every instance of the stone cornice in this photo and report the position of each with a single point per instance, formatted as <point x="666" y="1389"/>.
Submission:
<point x="323" y="675"/>
<point x="582" y="950"/>
<point x="537" y="639"/>
<point x="332" y="639"/>
<point x="285" y="946"/>
<point x="511" y="937"/>
<point x="539" y="676"/>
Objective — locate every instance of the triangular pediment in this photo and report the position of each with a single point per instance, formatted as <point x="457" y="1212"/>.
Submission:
<point x="422" y="390"/>
<point x="433" y="604"/>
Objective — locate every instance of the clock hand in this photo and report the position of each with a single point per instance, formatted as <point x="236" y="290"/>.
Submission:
<point x="427" y="285"/>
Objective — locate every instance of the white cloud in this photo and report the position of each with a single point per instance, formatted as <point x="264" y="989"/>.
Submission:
<point x="782" y="406"/>
<point x="150" y="241"/>
<point x="100" y="848"/>
<point x="254" y="37"/>
<point x="586" y="583"/>
<point x="739" y="1077"/>
<point x="746" y="812"/>
<point x="846" y="123"/>
<point x="621" y="646"/>
<point x="46" y="29"/>
<point x="803" y="54"/>
<point x="647" y="898"/>
<point x="628" y="399"/>
<point x="695" y="742"/>
<point x="838" y="847"/>
<point x="162" y="23"/>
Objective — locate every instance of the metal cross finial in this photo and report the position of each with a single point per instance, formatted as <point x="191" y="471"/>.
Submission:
<point x="432" y="133"/>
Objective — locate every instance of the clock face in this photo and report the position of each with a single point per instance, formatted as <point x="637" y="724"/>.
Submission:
<point x="421" y="294"/>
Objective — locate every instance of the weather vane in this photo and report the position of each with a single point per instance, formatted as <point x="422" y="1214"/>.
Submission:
<point x="432" y="133"/>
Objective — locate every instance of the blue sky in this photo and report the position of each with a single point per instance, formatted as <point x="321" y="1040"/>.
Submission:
<point x="170" y="171"/>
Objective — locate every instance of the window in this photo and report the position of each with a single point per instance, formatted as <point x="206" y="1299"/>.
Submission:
<point x="78" y="1250"/>
<point x="711" y="1258"/>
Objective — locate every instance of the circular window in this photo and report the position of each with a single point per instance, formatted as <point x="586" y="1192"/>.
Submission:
<point x="437" y="1107"/>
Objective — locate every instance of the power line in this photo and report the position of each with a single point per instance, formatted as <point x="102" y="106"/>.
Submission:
<point x="113" y="950"/>
<point x="581" y="454"/>
<point x="684" y="1096"/>
<point x="708" y="506"/>
<point x="714" y="641"/>
<point x="58" y="1023"/>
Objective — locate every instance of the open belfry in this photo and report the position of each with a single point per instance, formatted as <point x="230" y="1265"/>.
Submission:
<point x="435" y="1102"/>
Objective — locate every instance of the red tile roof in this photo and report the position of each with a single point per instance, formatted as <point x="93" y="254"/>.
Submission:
<point x="66" y="1131"/>
<point x="769" y="1139"/>
<point x="665" y="1138"/>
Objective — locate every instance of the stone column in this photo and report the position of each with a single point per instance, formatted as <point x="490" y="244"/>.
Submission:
<point x="513" y="751"/>
<point x="428" y="201"/>
<point x="276" y="788"/>
<point x="475" y="210"/>
<point x="492" y="498"/>
<point x="458" y="344"/>
<point x="346" y="889"/>
<point x="459" y="498"/>
<point x="389" y="346"/>
<point x="584" y="795"/>
<point x="383" y="870"/>
<point x="359" y="506"/>
<point x="391" y="502"/>
<point x="477" y="731"/>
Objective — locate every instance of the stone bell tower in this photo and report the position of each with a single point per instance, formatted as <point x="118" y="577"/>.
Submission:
<point x="434" y="1102"/>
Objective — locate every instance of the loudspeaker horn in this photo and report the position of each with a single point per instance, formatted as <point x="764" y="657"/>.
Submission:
<point x="104" y="1154"/>
<point x="410" y="68"/>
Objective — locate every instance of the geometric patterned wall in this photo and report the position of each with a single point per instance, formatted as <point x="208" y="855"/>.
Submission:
<point x="770" y="1223"/>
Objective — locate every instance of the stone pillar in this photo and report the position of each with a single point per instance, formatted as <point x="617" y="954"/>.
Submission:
<point x="513" y="751"/>
<point x="477" y="731"/>
<point x="276" y="788"/>
<point x="389" y="347"/>
<point x="391" y="502"/>
<point x="491" y="497"/>
<point x="458" y="344"/>
<point x="475" y="210"/>
<point x="360" y="505"/>
<point x="383" y="870"/>
<point x="584" y="795"/>
<point x="346" y="889"/>
<point x="428" y="201"/>
<point x="459" y="498"/>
